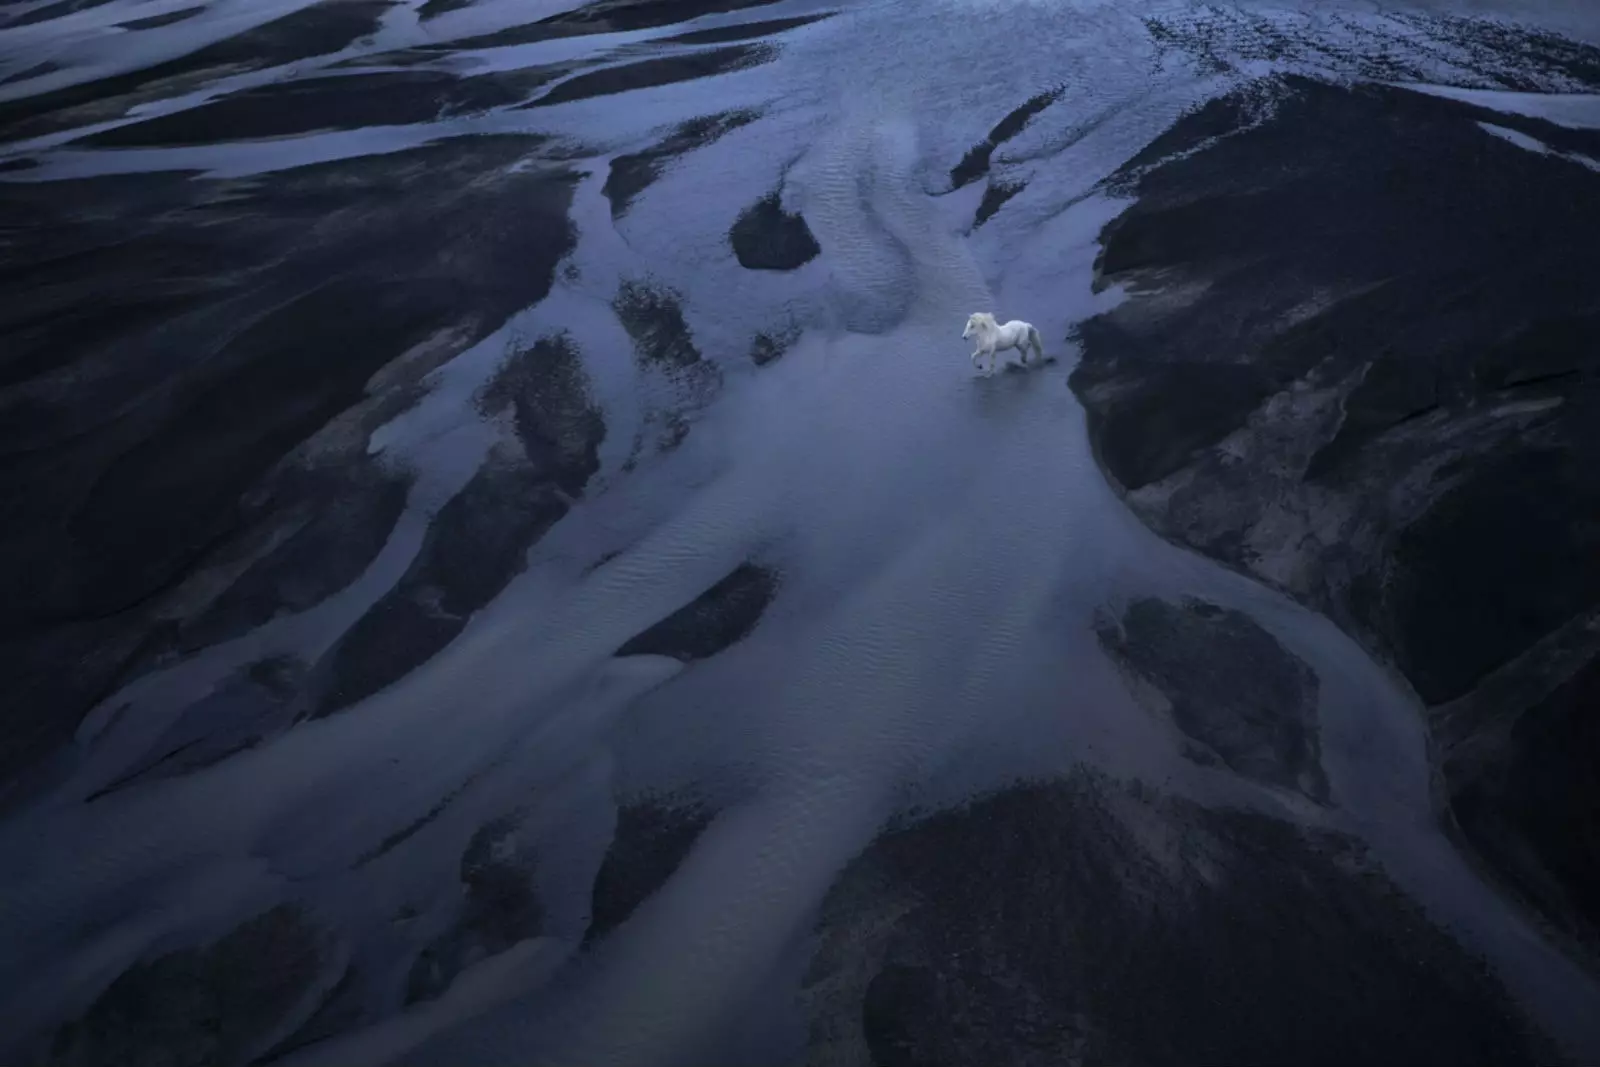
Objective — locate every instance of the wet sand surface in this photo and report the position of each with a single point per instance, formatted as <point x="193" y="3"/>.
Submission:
<point x="506" y="558"/>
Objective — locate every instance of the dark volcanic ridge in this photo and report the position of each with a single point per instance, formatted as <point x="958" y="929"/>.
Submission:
<point x="1369" y="379"/>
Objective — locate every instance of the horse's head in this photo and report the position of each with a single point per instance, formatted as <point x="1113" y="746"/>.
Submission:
<point x="977" y="321"/>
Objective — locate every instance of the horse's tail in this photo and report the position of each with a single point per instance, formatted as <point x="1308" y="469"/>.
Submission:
<point x="1035" y="341"/>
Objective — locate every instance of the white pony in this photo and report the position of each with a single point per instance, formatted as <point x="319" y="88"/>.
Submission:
<point x="994" y="338"/>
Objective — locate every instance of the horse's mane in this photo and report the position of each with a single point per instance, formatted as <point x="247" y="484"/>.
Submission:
<point x="985" y="317"/>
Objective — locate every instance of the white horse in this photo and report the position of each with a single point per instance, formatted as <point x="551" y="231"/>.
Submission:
<point x="994" y="338"/>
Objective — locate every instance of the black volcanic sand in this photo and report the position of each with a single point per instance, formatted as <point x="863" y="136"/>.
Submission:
<point x="766" y="237"/>
<point x="224" y="1002"/>
<point x="48" y="12"/>
<point x="337" y="102"/>
<point x="480" y="538"/>
<point x="649" y="73"/>
<point x="1238" y="696"/>
<point x="674" y="374"/>
<point x="157" y="473"/>
<point x="1368" y="377"/>
<point x="435" y="8"/>
<point x="183" y="14"/>
<point x="317" y="30"/>
<point x="975" y="164"/>
<point x="653" y="318"/>
<point x="604" y="16"/>
<point x="652" y="837"/>
<point x="995" y="195"/>
<point x="1081" y="922"/>
<point x="770" y="347"/>
<point x="1485" y="53"/>
<point x="635" y="172"/>
<point x="743" y="31"/>
<point x="720" y="617"/>
<point x="499" y="906"/>
<point x="256" y="702"/>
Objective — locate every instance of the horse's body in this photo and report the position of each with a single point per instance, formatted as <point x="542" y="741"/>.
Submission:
<point x="993" y="338"/>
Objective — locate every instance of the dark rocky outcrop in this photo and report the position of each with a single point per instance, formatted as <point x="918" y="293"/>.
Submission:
<point x="721" y="616"/>
<point x="1370" y="379"/>
<point x="499" y="907"/>
<point x="766" y="237"/>
<point x="1239" y="696"/>
<point x="652" y="838"/>
<point x="1085" y="922"/>
<point x="218" y="1005"/>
